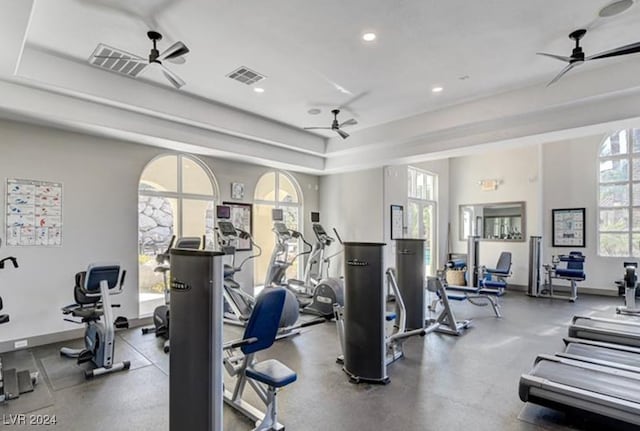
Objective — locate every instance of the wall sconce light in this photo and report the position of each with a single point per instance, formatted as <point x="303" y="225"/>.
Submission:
<point x="489" y="185"/>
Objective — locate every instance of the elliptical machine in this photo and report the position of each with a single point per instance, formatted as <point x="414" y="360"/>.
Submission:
<point x="316" y="293"/>
<point x="630" y="284"/>
<point x="238" y="304"/>
<point x="161" y="313"/>
<point x="92" y="293"/>
<point x="13" y="383"/>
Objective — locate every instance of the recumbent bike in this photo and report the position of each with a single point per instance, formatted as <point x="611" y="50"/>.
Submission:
<point x="92" y="293"/>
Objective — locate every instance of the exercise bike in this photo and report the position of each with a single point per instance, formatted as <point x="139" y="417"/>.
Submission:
<point x="315" y="294"/>
<point x="161" y="313"/>
<point x="13" y="383"/>
<point x="92" y="293"/>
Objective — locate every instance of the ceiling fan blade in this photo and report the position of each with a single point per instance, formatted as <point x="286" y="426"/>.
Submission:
<point x="562" y="73"/>
<point x="557" y="57"/>
<point x="177" y="60"/>
<point x="632" y="48"/>
<point x="172" y="77"/>
<point x="317" y="128"/>
<point x="342" y="133"/>
<point x="178" y="49"/>
<point x="349" y="122"/>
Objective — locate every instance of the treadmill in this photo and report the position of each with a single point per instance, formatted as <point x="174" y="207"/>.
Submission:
<point x="616" y="331"/>
<point x="558" y="382"/>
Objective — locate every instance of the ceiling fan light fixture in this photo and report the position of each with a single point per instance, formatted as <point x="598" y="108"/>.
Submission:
<point x="615" y="8"/>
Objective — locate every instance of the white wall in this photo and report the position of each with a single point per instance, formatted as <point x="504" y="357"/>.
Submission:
<point x="518" y="170"/>
<point x="571" y="181"/>
<point x="100" y="179"/>
<point x="353" y="204"/>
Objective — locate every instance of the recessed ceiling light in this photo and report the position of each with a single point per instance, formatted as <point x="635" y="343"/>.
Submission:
<point x="314" y="111"/>
<point x="615" y="8"/>
<point x="437" y="89"/>
<point x="369" y="37"/>
<point x="258" y="90"/>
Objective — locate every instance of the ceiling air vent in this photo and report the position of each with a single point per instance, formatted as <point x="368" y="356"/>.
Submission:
<point x="246" y="76"/>
<point x="117" y="61"/>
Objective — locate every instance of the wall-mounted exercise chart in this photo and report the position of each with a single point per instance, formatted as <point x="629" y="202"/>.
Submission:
<point x="34" y="213"/>
<point x="568" y="227"/>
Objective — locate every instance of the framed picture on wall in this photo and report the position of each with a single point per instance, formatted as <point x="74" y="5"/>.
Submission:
<point x="568" y="227"/>
<point x="397" y="221"/>
<point x="242" y="218"/>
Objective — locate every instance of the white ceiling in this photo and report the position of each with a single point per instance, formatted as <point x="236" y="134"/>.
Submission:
<point x="308" y="49"/>
<point x="304" y="46"/>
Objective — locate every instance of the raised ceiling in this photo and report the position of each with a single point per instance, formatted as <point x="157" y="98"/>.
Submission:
<point x="310" y="50"/>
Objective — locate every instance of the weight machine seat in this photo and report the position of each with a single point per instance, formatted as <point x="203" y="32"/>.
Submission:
<point x="503" y="267"/>
<point x="272" y="373"/>
<point x="496" y="284"/>
<point x="390" y="316"/>
<point x="456" y="296"/>
<point x="573" y="274"/>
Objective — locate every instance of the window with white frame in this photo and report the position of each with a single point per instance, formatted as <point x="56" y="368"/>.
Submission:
<point x="619" y="195"/>
<point x="422" y="213"/>
<point x="275" y="189"/>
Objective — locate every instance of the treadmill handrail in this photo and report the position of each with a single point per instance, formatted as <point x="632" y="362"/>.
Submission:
<point x="604" y="331"/>
<point x="587" y="366"/>
<point x="582" y="394"/>
<point x="600" y="362"/>
<point x="603" y="319"/>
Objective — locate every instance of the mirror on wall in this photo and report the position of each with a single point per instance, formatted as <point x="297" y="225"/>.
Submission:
<point x="503" y="221"/>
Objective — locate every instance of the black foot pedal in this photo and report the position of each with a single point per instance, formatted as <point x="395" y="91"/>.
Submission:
<point x="25" y="384"/>
<point x="121" y="323"/>
<point x="11" y="389"/>
<point x="85" y="356"/>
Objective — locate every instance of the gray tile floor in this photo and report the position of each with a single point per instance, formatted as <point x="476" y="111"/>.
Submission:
<point x="443" y="383"/>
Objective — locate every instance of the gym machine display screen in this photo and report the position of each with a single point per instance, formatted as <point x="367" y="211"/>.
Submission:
<point x="223" y="212"/>
<point x="315" y="217"/>
<point x="277" y="214"/>
<point x="226" y="228"/>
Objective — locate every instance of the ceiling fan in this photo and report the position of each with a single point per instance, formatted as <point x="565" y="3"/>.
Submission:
<point x="577" y="57"/>
<point x="174" y="54"/>
<point x="337" y="127"/>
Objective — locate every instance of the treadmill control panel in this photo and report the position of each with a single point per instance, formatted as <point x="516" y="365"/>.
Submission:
<point x="226" y="228"/>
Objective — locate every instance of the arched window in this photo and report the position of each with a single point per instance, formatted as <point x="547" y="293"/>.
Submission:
<point x="176" y="196"/>
<point x="275" y="190"/>
<point x="619" y="195"/>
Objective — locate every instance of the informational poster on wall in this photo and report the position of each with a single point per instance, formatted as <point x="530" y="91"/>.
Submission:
<point x="568" y="227"/>
<point x="34" y="213"/>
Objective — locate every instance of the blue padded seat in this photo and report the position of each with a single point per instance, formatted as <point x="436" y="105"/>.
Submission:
<point x="503" y="267"/>
<point x="272" y="373"/>
<point x="456" y="264"/>
<point x="497" y="284"/>
<point x="456" y="297"/>
<point x="390" y="316"/>
<point x="572" y="273"/>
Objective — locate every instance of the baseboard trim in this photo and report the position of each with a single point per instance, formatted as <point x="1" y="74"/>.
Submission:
<point x="581" y="290"/>
<point x="57" y="337"/>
